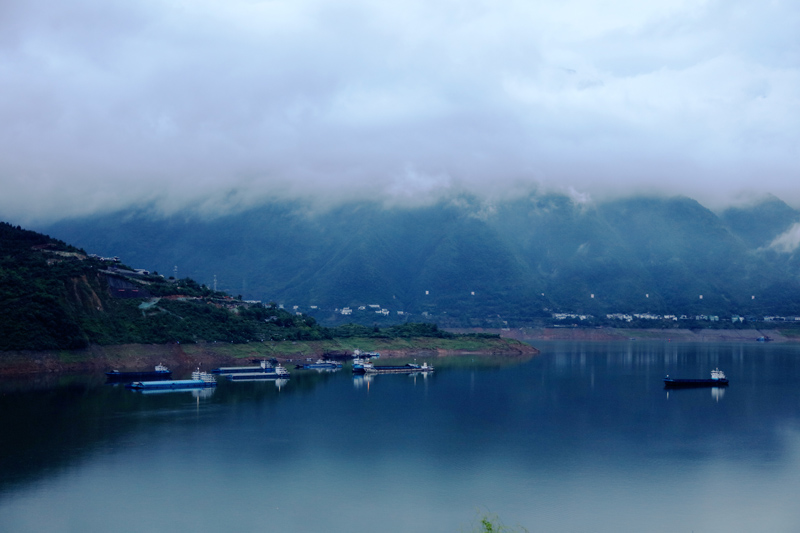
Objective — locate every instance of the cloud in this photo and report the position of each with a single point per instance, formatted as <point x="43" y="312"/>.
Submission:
<point x="788" y="241"/>
<point x="224" y="104"/>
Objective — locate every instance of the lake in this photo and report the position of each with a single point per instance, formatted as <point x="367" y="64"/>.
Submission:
<point x="583" y="437"/>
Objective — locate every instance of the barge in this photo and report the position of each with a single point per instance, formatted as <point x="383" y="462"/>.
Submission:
<point x="717" y="379"/>
<point x="160" y="372"/>
<point x="321" y="363"/>
<point x="404" y="369"/>
<point x="277" y="372"/>
<point x="199" y="380"/>
<point x="264" y="367"/>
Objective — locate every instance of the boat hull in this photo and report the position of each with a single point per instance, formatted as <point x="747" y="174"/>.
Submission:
<point x="257" y="376"/>
<point x="670" y="383"/>
<point x="134" y="376"/>
<point x="171" y="384"/>
<point x="226" y="370"/>
<point x="406" y="369"/>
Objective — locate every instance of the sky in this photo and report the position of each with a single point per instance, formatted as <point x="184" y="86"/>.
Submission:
<point x="220" y="105"/>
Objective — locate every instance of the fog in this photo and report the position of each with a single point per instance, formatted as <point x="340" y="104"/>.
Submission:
<point x="220" y="105"/>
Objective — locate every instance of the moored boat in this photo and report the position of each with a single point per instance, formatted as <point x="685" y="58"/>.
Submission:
<point x="199" y="380"/>
<point x="717" y="379"/>
<point x="358" y="354"/>
<point x="360" y="365"/>
<point x="321" y="363"/>
<point x="264" y="367"/>
<point x="160" y="372"/>
<point x="399" y="369"/>
<point x="278" y="372"/>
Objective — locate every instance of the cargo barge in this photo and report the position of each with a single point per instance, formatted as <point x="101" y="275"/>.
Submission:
<point x="404" y="369"/>
<point x="321" y="363"/>
<point x="264" y="367"/>
<point x="277" y="372"/>
<point x="717" y="379"/>
<point x="160" y="372"/>
<point x="199" y="380"/>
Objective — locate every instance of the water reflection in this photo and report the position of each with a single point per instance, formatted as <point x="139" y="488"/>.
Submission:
<point x="362" y="380"/>
<point x="577" y="439"/>
<point x="717" y="393"/>
<point x="200" y="392"/>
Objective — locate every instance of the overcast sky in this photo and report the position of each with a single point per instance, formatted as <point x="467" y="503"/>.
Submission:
<point x="220" y="104"/>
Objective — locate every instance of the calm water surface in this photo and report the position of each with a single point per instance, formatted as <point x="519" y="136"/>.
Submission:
<point x="580" y="438"/>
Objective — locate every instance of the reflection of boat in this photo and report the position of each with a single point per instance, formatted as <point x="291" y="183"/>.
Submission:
<point x="718" y="379"/>
<point x="321" y="363"/>
<point x="263" y="367"/>
<point x="199" y="380"/>
<point x="160" y="372"/>
<point x="278" y="372"/>
<point x="359" y="380"/>
<point x="326" y="370"/>
<point x="404" y="369"/>
<point x="199" y="392"/>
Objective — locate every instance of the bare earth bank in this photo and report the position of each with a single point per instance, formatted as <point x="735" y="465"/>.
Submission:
<point x="626" y="334"/>
<point x="210" y="355"/>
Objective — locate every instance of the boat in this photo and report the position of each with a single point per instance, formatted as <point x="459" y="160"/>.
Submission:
<point x="264" y="367"/>
<point x="404" y="369"/>
<point x="763" y="338"/>
<point x="321" y="363"/>
<point x="160" y="372"/>
<point x="199" y="380"/>
<point x="358" y="354"/>
<point x="718" y="379"/>
<point x="360" y="365"/>
<point x="277" y="372"/>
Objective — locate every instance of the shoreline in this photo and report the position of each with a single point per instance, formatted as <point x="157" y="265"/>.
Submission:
<point x="604" y="334"/>
<point x="128" y="357"/>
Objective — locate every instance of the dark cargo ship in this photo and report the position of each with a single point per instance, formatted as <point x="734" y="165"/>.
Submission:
<point x="717" y="379"/>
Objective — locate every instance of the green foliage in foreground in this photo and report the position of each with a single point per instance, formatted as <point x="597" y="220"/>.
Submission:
<point x="491" y="523"/>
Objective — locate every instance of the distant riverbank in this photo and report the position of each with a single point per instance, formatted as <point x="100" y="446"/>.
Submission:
<point x="627" y="334"/>
<point x="207" y="355"/>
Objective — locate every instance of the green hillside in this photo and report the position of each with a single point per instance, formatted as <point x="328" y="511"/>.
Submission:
<point x="55" y="296"/>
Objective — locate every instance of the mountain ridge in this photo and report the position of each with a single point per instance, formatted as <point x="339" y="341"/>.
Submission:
<point x="518" y="259"/>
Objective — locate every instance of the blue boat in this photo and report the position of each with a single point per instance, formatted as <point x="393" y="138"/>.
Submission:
<point x="199" y="380"/>
<point x="160" y="372"/>
<point x="718" y="379"/>
<point x="360" y="365"/>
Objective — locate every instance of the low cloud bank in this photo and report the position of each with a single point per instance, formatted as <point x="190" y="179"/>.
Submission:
<point x="788" y="241"/>
<point x="221" y="105"/>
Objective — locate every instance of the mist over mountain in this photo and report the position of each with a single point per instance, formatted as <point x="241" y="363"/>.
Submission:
<point x="470" y="262"/>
